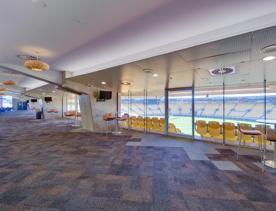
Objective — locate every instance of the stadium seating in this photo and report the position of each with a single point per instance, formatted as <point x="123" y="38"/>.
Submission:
<point x="201" y="127"/>
<point x="237" y="110"/>
<point x="153" y="124"/>
<point x="172" y="128"/>
<point x="148" y="123"/>
<point x="230" y="131"/>
<point x="214" y="130"/>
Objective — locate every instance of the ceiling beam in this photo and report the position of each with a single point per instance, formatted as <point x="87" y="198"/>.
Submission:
<point x="50" y="76"/>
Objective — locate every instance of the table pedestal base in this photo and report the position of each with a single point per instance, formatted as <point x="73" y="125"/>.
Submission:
<point x="270" y="163"/>
<point x="117" y="133"/>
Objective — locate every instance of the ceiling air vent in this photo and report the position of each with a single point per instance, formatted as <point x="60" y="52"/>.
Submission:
<point x="147" y="70"/>
<point x="222" y="71"/>
<point x="269" y="49"/>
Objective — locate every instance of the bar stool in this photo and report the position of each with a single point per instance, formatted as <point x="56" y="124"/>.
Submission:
<point x="124" y="118"/>
<point x="108" y="118"/>
<point x="249" y="133"/>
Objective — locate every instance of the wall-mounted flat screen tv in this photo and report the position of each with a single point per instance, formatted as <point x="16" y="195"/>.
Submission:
<point x="33" y="100"/>
<point x="104" y="95"/>
<point x="48" y="99"/>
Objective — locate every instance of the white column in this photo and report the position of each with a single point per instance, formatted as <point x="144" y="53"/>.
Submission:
<point x="86" y="112"/>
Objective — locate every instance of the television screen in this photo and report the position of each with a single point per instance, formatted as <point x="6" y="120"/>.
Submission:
<point x="48" y="99"/>
<point x="33" y="100"/>
<point x="104" y="95"/>
<point x="108" y="95"/>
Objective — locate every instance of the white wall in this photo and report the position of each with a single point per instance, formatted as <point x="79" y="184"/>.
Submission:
<point x="98" y="109"/>
<point x="35" y="105"/>
<point x="55" y="104"/>
<point x="101" y="108"/>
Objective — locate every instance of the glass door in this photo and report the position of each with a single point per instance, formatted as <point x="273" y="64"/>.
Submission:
<point x="180" y="112"/>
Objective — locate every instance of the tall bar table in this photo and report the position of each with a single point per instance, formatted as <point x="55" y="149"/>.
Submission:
<point x="270" y="163"/>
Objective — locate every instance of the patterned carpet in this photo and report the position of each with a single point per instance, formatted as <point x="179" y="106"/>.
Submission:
<point x="44" y="166"/>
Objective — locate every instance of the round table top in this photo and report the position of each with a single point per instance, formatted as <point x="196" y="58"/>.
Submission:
<point x="109" y="118"/>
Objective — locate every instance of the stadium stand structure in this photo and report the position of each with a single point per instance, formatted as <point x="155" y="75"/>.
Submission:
<point x="248" y="108"/>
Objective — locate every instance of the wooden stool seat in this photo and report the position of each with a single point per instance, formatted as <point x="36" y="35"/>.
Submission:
<point x="250" y="132"/>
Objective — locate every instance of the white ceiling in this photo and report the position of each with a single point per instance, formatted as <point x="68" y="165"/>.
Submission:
<point x="244" y="52"/>
<point x="51" y="28"/>
<point x="85" y="36"/>
<point x="178" y="25"/>
<point x="62" y="25"/>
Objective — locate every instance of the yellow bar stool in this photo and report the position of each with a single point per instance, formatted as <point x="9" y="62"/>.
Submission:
<point x="245" y="138"/>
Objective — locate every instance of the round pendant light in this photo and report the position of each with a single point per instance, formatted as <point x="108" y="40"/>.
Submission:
<point x="36" y="65"/>
<point x="3" y="89"/>
<point x="9" y="83"/>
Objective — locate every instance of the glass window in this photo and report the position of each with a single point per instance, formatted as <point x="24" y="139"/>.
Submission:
<point x="270" y="110"/>
<point x="72" y="103"/>
<point x="137" y="112"/>
<point x="209" y="113"/>
<point x="155" y="111"/>
<point x="6" y="101"/>
<point x="180" y="112"/>
<point x="243" y="106"/>
<point x="137" y="105"/>
<point x="124" y="104"/>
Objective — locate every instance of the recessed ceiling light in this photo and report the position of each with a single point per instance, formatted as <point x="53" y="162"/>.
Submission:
<point x="53" y="91"/>
<point x="103" y="83"/>
<point x="155" y="75"/>
<point x="268" y="58"/>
